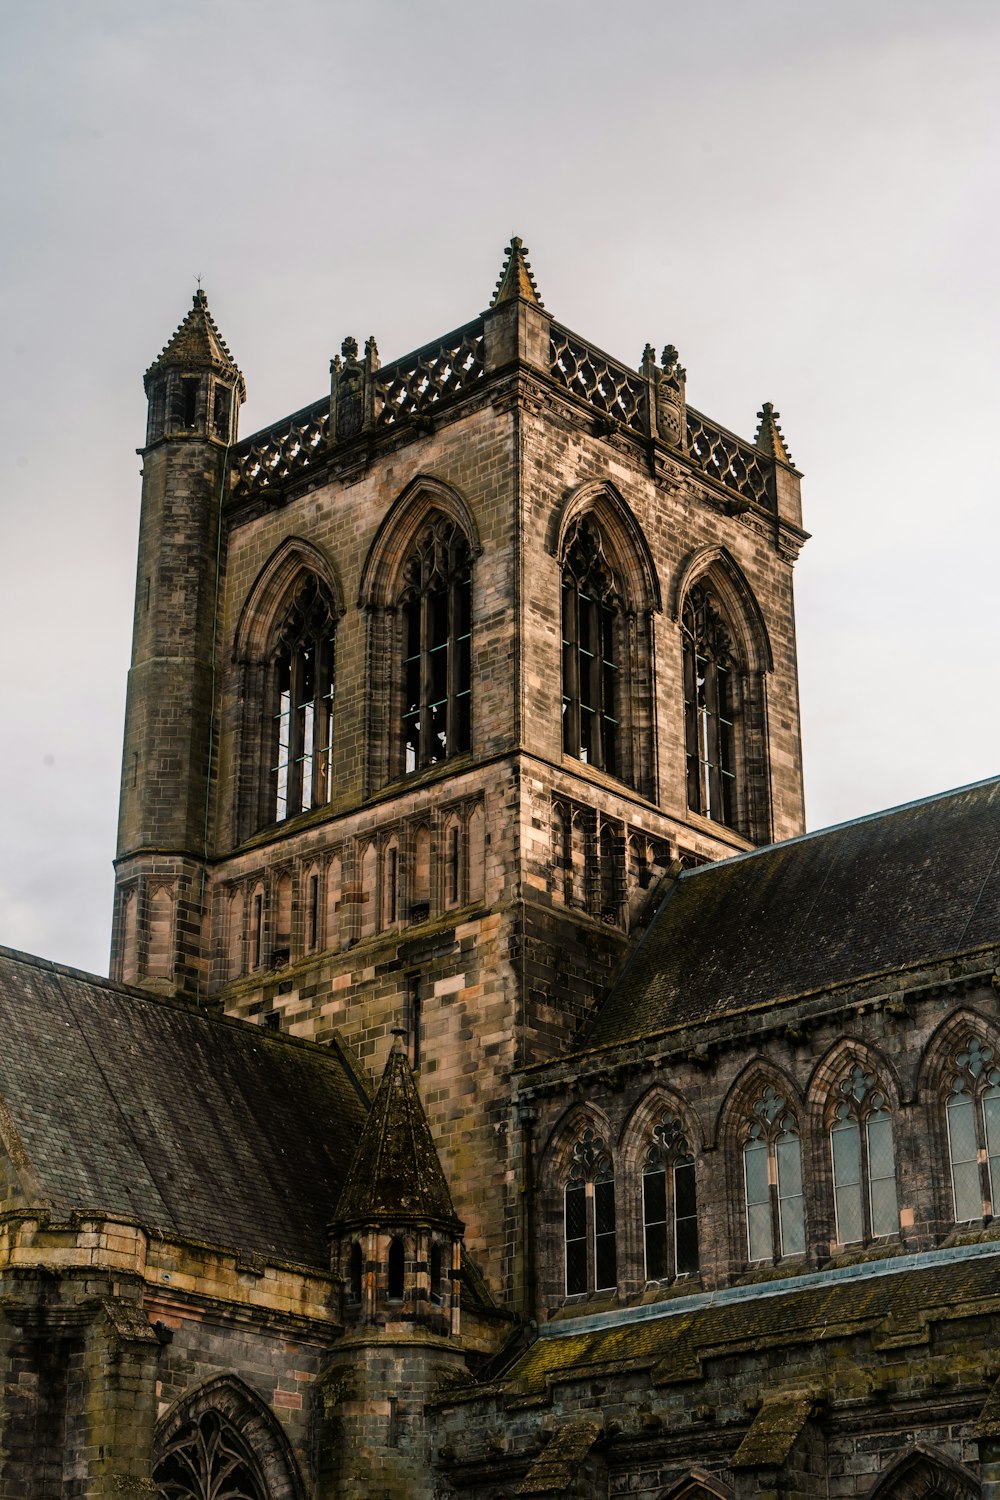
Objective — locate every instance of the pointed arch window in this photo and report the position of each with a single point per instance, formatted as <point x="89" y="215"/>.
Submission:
<point x="436" y="606"/>
<point x="772" y="1177"/>
<point x="710" y="708"/>
<point x="864" y="1168"/>
<point x="591" y="647"/>
<point x="669" y="1203"/>
<point x="972" y="1111"/>
<point x="301" y="715"/>
<point x="206" y="1460"/>
<point x="589" y="1219"/>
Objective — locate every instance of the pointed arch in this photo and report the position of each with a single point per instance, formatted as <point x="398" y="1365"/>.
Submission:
<point x="835" y="1063"/>
<point x="952" y="1033"/>
<point x="557" y="1151"/>
<point x="745" y="616"/>
<point x="630" y="552"/>
<point x="397" y="532"/>
<point x="273" y="586"/>
<point x="760" y="1130"/>
<point x="644" y="1114"/>
<point x="697" y="1485"/>
<point x="959" y="1088"/>
<point x="253" y="1432"/>
<point x="750" y="1082"/>
<point x="923" y="1474"/>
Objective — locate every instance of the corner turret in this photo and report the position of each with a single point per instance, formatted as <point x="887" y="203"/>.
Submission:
<point x="194" y="390"/>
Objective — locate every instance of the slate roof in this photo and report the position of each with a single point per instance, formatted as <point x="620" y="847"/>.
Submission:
<point x="396" y="1174"/>
<point x="198" y="1126"/>
<point x="893" y="890"/>
<point x="894" y="1308"/>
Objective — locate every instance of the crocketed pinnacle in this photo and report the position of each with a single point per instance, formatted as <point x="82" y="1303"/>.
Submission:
<point x="516" y="279"/>
<point x="396" y="1177"/>
<point x="198" y="345"/>
<point x="769" y="438"/>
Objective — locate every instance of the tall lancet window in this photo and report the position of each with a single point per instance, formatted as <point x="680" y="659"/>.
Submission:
<point x="591" y="611"/>
<point x="710" y="708"/>
<point x="436" y="607"/>
<point x="302" y="697"/>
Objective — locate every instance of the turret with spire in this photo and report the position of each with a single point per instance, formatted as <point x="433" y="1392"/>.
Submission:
<point x="194" y="389"/>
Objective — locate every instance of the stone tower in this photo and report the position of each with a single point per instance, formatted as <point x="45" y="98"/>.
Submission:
<point x="435" y="684"/>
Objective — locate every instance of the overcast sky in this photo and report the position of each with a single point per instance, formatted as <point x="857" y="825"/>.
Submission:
<point x="801" y="195"/>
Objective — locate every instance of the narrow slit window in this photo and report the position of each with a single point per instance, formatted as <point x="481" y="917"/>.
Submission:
<point x="591" y="611"/>
<point x="709" y="708"/>
<point x="302" y="715"/>
<point x="437" y="648"/>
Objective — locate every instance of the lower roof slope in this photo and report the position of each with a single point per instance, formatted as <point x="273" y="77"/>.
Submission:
<point x="899" y="888"/>
<point x="211" y="1129"/>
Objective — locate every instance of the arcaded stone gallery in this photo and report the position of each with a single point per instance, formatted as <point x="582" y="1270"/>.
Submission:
<point x="497" y="1092"/>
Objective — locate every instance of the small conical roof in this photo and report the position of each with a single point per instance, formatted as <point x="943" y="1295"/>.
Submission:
<point x="396" y="1174"/>
<point x="769" y="437"/>
<point x="198" y="345"/>
<point x="516" y="279"/>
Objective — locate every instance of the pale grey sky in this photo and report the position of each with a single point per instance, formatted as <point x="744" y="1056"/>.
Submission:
<point x="800" y="194"/>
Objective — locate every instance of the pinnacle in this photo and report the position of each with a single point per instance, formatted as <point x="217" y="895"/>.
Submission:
<point x="396" y="1173"/>
<point x="516" y="278"/>
<point x="769" y="438"/>
<point x="197" y="344"/>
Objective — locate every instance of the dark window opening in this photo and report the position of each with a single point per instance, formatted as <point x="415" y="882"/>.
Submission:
<point x="189" y="401"/>
<point x="413" y="1020"/>
<point x="437" y="648"/>
<point x="392" y="884"/>
<point x="302" y="716"/>
<point x="209" y="1457"/>
<point x="357" y="1267"/>
<point x="709" y="709"/>
<point x="220" y="413"/>
<point x="576" y="1238"/>
<point x="452" y="868"/>
<point x="257" y="933"/>
<point x="605" y="1239"/>
<point x="437" y="1286"/>
<point x="313" y="911"/>
<point x="669" y="1204"/>
<point x="397" y="1266"/>
<point x="590" y="670"/>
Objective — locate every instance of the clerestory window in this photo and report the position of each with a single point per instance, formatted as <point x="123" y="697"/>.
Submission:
<point x="864" y="1169"/>
<point x="710" y="708"/>
<point x="591" y="636"/>
<point x="302" y="685"/>
<point x="669" y="1204"/>
<point x="972" y="1111"/>
<point x="436" y="605"/>
<point x="772" y="1176"/>
<point x="589" y="1221"/>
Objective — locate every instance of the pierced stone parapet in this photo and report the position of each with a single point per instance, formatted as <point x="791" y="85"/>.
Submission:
<point x="612" y="388"/>
<point x="729" y="461"/>
<point x="414" y="385"/>
<point x="279" y="453"/>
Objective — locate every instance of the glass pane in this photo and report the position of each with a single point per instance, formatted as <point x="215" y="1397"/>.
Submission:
<point x="687" y="1245"/>
<point x="759" y="1231"/>
<point x="656" y="1252"/>
<point x="791" y="1210"/>
<point x="885" y="1210"/>
<point x="576" y="1267"/>
<point x="576" y="1238"/>
<point x="968" y="1193"/>
<point x="882" y="1174"/>
<point x="758" y="1196"/>
<point x="604" y="1235"/>
<point x="654" y="1196"/>
<point x="685" y="1217"/>
<point x="845" y="1143"/>
<point x="604" y="1207"/>
<point x="991" y="1121"/>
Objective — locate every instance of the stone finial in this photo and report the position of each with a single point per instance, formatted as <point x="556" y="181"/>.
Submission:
<point x="671" y="399"/>
<point x="349" y="349"/>
<point x="769" y="438"/>
<point x="197" y="344"/>
<point x="516" y="278"/>
<point x="671" y="362"/>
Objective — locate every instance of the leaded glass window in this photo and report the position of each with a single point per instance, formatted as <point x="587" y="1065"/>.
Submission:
<point x="590" y="1232"/>
<point x="436" y="605"/>
<point x="972" y="1112"/>
<point x="710" y="696"/>
<point x="772" y="1178"/>
<point x="301" y="765"/>
<point x="591" y="669"/>
<point x="669" y="1203"/>
<point x="863" y="1157"/>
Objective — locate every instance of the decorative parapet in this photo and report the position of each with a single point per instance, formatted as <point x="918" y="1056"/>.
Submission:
<point x="366" y="398"/>
<point x="615" y="390"/>
<point x="728" y="460"/>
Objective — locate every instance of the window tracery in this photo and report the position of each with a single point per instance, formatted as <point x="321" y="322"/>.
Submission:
<point x="772" y="1177"/>
<point x="669" y="1203"/>
<point x="589" y="1225"/>
<point x="864" y="1170"/>
<point x="710" y="707"/>
<point x="301" y="712"/>
<point x="436" y="607"/>
<point x="209" y="1460"/>
<point x="972" y="1112"/>
<point x="591" y="646"/>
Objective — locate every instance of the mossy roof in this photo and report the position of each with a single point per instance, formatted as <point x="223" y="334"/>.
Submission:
<point x="113" y="1102"/>
<point x="900" y="888"/>
<point x="396" y="1174"/>
<point x="894" y="1307"/>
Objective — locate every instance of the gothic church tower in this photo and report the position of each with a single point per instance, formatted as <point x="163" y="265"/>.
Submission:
<point x="434" y="684"/>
